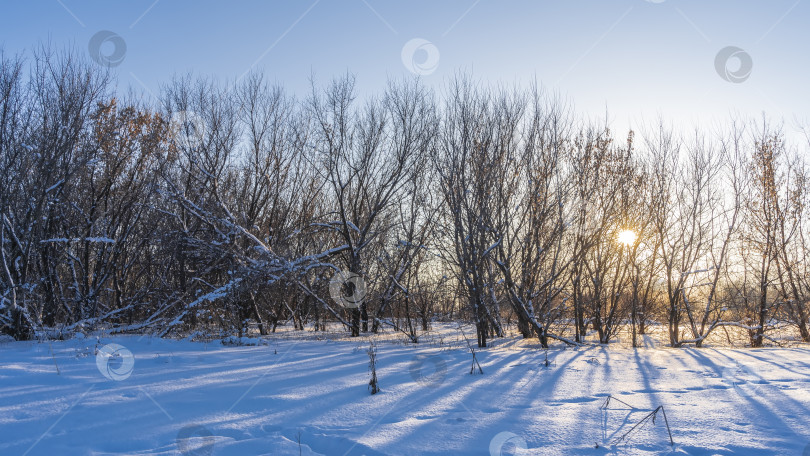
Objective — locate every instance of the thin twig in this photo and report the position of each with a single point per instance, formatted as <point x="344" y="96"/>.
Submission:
<point x="607" y="402"/>
<point x="54" y="359"/>
<point x="472" y="350"/>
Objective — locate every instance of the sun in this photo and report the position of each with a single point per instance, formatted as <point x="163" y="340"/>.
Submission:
<point x="627" y="237"/>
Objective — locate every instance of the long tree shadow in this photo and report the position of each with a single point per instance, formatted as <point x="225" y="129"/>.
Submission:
<point x="752" y="405"/>
<point x="805" y="366"/>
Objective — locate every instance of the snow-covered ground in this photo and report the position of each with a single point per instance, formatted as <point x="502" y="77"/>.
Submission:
<point x="181" y="397"/>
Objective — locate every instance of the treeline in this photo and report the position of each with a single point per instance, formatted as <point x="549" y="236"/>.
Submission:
<point x="220" y="207"/>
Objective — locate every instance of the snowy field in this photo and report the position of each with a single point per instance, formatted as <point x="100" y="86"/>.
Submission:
<point x="307" y="394"/>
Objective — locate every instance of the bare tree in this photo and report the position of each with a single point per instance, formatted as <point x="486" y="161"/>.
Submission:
<point x="765" y="208"/>
<point x="366" y="156"/>
<point x="476" y="146"/>
<point x="721" y="201"/>
<point x="792" y="246"/>
<point x="43" y="158"/>
<point x="530" y="213"/>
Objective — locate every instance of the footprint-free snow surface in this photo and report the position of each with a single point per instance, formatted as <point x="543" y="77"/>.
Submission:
<point x="311" y="397"/>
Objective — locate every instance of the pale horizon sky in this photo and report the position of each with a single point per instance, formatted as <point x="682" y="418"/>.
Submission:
<point x="635" y="59"/>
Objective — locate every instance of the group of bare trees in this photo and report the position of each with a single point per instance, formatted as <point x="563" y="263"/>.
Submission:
<point x="218" y="208"/>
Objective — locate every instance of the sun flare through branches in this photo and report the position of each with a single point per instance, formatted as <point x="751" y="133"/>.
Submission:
<point x="627" y="237"/>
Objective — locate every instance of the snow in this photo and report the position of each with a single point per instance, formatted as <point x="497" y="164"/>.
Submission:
<point x="55" y="186"/>
<point x="100" y="239"/>
<point x="97" y="239"/>
<point x="184" y="397"/>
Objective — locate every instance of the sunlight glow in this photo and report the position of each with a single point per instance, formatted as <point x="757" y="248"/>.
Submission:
<point x="627" y="237"/>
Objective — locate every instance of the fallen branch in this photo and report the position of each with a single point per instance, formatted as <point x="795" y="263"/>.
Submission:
<point x="651" y="416"/>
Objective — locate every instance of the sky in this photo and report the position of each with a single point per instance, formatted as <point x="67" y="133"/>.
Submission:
<point x="689" y="62"/>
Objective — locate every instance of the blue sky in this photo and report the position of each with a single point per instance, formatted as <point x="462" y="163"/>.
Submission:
<point x="636" y="58"/>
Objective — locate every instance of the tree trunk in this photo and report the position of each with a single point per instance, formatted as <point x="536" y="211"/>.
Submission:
<point x="762" y="314"/>
<point x="481" y="324"/>
<point x="355" y="322"/>
<point x="524" y="327"/>
<point x="257" y="315"/>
